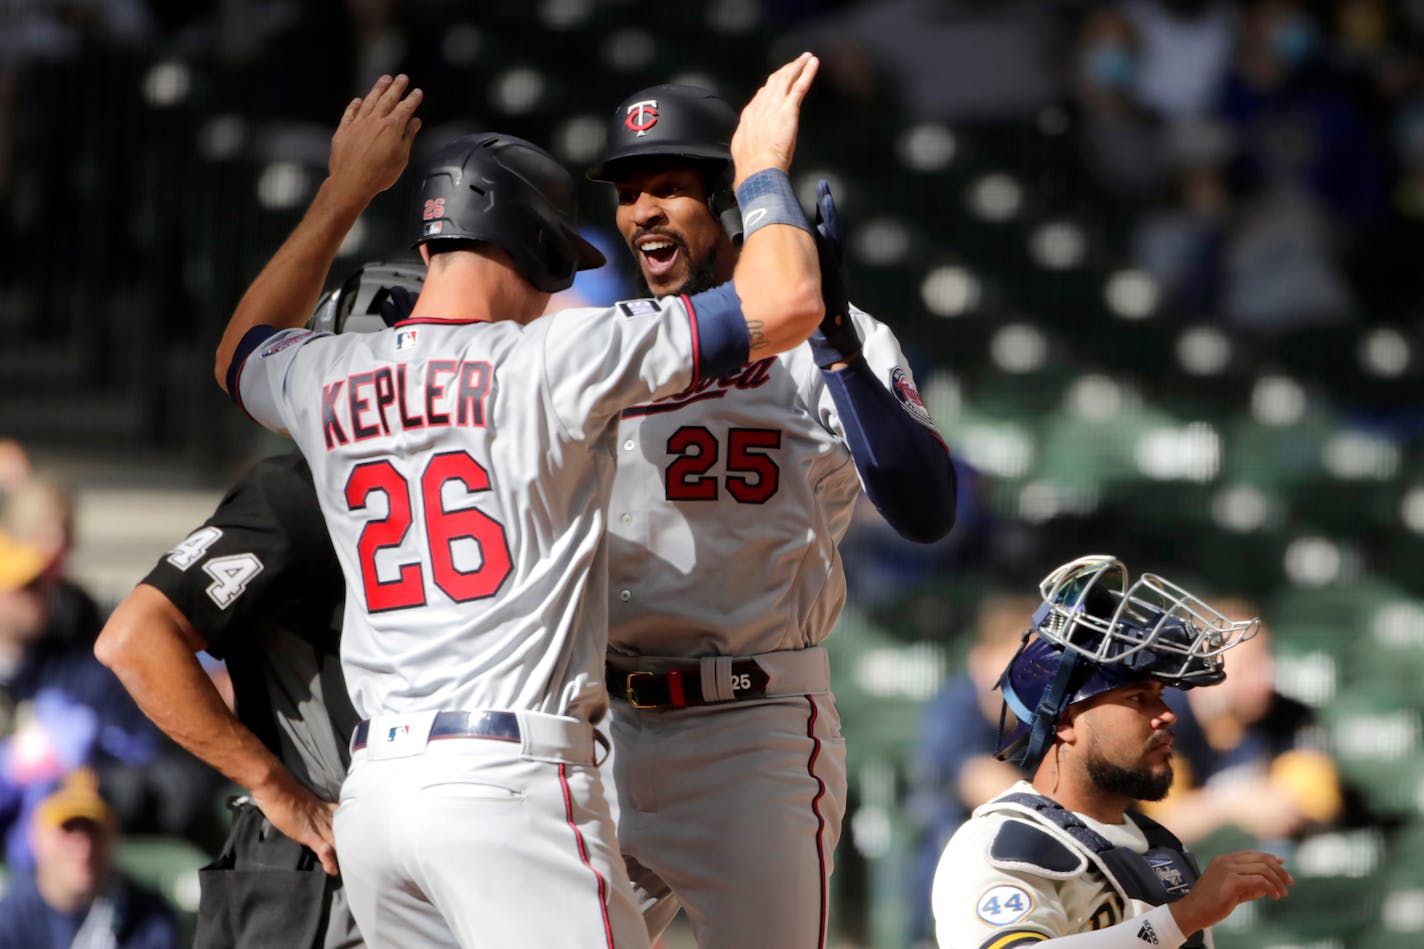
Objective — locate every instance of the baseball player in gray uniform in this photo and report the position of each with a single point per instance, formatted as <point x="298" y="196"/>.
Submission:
<point x="463" y="461"/>
<point x="729" y="502"/>
<point x="1062" y="861"/>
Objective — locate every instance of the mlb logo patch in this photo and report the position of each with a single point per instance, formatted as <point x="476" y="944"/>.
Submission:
<point x="399" y="736"/>
<point x="432" y="227"/>
<point x="639" y="307"/>
<point x="405" y="339"/>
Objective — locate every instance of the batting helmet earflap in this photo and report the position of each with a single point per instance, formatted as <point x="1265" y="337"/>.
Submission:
<point x="355" y="306"/>
<point x="680" y="122"/>
<point x="511" y="193"/>
<point x="1094" y="632"/>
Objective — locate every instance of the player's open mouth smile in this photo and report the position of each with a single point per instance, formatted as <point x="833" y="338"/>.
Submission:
<point x="658" y="255"/>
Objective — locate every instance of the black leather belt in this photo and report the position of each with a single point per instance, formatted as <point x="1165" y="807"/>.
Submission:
<point x="495" y="726"/>
<point x="681" y="686"/>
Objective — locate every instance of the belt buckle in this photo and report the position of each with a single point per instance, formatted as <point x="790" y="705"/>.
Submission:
<point x="628" y="690"/>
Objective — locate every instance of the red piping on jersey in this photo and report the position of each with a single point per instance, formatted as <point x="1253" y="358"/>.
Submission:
<point x="820" y="819"/>
<point x="583" y="855"/>
<point x="696" y="343"/>
<point x="437" y="321"/>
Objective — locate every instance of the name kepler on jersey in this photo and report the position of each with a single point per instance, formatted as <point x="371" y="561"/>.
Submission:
<point x="380" y="401"/>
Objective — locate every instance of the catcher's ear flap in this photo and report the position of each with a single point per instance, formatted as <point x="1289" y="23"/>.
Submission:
<point x="722" y="202"/>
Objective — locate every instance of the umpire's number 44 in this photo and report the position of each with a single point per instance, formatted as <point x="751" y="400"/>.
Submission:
<point x="230" y="573"/>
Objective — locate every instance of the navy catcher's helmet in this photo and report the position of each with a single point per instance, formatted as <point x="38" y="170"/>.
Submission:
<point x="1096" y="632"/>
<point x="356" y="306"/>
<point x="511" y="193"/>
<point x="679" y="122"/>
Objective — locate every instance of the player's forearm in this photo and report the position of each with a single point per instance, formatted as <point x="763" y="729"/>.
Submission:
<point x="905" y="467"/>
<point x="1156" y="928"/>
<point x="286" y="291"/>
<point x="778" y="276"/>
<point x="778" y="281"/>
<point x="151" y="648"/>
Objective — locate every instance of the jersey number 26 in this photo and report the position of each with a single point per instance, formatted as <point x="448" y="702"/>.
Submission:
<point x="442" y="529"/>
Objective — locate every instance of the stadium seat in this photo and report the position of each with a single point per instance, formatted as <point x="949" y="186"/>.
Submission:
<point x="168" y="865"/>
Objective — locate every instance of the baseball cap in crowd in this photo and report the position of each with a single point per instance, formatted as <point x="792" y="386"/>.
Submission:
<point x="20" y="563"/>
<point x="76" y="797"/>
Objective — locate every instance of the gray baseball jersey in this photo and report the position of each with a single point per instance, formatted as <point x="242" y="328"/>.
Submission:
<point x="730" y="499"/>
<point x="747" y="479"/>
<point x="985" y="897"/>
<point x="463" y="471"/>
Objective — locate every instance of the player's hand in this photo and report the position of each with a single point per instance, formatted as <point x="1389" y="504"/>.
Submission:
<point x="835" y="341"/>
<point x="1229" y="880"/>
<point x="766" y="135"/>
<point x="371" y="146"/>
<point x="294" y="810"/>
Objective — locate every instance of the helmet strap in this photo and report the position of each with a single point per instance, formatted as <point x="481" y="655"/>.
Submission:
<point x="1050" y="706"/>
<point x="722" y="202"/>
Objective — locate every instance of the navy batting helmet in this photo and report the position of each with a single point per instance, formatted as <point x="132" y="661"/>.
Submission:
<point x="511" y="193"/>
<point x="676" y="121"/>
<point x="1095" y="632"/>
<point x="365" y="299"/>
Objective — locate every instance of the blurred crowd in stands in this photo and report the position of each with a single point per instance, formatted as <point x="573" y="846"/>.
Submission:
<point x="1261" y="161"/>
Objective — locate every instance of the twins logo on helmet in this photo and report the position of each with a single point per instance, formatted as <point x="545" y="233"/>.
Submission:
<point x="642" y="116"/>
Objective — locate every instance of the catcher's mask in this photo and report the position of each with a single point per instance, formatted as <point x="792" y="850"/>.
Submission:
<point x="681" y="122"/>
<point x="355" y="306"/>
<point x="1094" y="632"/>
<point x="511" y="193"/>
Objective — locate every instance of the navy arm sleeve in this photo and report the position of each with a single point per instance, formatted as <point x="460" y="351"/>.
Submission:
<point x="722" y="341"/>
<point x="905" y="467"/>
<point x="250" y="341"/>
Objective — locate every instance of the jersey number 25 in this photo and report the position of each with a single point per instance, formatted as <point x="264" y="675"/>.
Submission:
<point x="442" y="529"/>
<point x="752" y="475"/>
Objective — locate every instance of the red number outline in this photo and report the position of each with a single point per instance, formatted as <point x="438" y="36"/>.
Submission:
<point x="442" y="529"/>
<point x="752" y="475"/>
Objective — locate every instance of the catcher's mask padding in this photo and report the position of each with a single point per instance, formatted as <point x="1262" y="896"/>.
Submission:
<point x="355" y="306"/>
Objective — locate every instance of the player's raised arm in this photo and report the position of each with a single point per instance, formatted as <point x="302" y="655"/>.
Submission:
<point x="369" y="150"/>
<point x="777" y="277"/>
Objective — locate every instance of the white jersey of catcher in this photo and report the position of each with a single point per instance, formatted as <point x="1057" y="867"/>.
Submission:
<point x="730" y="499"/>
<point x="983" y="900"/>
<point x="464" y="471"/>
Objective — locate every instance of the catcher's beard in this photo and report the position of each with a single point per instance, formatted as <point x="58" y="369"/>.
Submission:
<point x="1139" y="784"/>
<point x="701" y="275"/>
